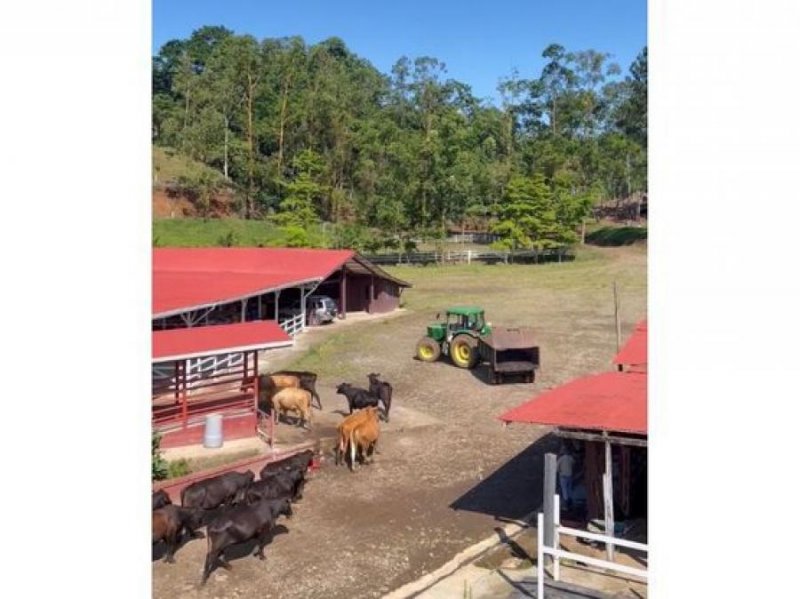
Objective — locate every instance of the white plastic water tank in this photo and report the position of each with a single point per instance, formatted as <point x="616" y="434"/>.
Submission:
<point x="212" y="436"/>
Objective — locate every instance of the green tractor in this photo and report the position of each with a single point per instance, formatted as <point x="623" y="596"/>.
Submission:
<point x="457" y="337"/>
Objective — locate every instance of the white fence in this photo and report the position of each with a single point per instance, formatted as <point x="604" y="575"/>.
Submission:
<point x="294" y="325"/>
<point x="197" y="368"/>
<point x="557" y="554"/>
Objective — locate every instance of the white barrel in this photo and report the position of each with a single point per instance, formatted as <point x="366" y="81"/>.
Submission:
<point x="213" y="431"/>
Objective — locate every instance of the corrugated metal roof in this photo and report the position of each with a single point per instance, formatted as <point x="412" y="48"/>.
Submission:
<point x="178" y="344"/>
<point x="191" y="278"/>
<point x="611" y="401"/>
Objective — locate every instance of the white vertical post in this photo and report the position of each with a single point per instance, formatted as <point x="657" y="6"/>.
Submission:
<point x="303" y="308"/>
<point x="469" y="256"/>
<point x="277" y="300"/>
<point x="556" y="542"/>
<point x="540" y="557"/>
<point x="608" y="500"/>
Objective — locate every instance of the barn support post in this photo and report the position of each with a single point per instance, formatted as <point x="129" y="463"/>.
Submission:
<point x="260" y="313"/>
<point x="343" y="294"/>
<point x="244" y="311"/>
<point x="177" y="383"/>
<point x="371" y="293"/>
<point x="184" y="398"/>
<point x="549" y="495"/>
<point x="245" y="366"/>
<point x="608" y="501"/>
<point x="277" y="299"/>
<point x="255" y="380"/>
<point x="304" y="291"/>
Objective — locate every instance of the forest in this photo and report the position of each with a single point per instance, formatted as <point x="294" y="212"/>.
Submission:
<point x="310" y="135"/>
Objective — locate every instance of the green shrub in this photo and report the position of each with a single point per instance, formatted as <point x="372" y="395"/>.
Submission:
<point x="178" y="468"/>
<point x="160" y="467"/>
<point x="616" y="236"/>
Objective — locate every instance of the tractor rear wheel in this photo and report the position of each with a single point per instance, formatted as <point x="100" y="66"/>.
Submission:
<point x="428" y="350"/>
<point x="464" y="351"/>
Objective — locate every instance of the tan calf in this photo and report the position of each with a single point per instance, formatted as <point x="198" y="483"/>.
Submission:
<point x="293" y="400"/>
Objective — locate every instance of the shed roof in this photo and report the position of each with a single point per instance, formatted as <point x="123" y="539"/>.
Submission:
<point x="180" y="344"/>
<point x="190" y="278"/>
<point x="634" y="352"/>
<point x="611" y="401"/>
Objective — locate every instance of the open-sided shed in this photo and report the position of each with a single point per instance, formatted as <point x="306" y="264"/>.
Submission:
<point x="200" y="286"/>
<point x="606" y="414"/>
<point x="185" y="389"/>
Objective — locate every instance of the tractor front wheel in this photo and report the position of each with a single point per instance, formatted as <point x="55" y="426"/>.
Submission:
<point x="464" y="351"/>
<point x="428" y="350"/>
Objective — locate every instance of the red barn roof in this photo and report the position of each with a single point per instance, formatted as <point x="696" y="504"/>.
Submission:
<point x="611" y="401"/>
<point x="179" y="344"/>
<point x="191" y="278"/>
<point x="634" y="352"/>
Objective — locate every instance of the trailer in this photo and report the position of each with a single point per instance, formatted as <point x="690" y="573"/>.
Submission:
<point x="509" y="351"/>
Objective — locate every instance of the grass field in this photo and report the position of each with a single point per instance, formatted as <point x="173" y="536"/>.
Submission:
<point x="199" y="232"/>
<point x="570" y="305"/>
<point x="169" y="165"/>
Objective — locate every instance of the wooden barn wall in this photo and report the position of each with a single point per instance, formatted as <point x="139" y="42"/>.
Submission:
<point x="384" y="297"/>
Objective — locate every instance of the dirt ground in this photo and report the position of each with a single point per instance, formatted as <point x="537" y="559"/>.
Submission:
<point x="448" y="473"/>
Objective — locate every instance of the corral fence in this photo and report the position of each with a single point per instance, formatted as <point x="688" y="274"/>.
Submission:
<point x="558" y="554"/>
<point x="562" y="254"/>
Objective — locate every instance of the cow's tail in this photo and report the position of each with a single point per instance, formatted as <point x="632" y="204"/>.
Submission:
<point x="352" y="449"/>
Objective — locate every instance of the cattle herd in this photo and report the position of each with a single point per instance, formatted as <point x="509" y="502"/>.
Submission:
<point x="234" y="507"/>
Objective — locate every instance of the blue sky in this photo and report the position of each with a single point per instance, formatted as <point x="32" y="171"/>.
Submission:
<point x="478" y="41"/>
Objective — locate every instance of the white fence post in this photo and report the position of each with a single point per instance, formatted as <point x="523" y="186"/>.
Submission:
<point x="557" y="553"/>
<point x="556" y="542"/>
<point x="540" y="557"/>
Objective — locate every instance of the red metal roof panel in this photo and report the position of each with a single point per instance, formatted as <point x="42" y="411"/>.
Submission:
<point x="177" y="344"/>
<point x="611" y="401"/>
<point x="634" y="352"/>
<point x="188" y="278"/>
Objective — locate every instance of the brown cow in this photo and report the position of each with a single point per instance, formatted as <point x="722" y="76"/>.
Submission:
<point x="364" y="437"/>
<point x="270" y="384"/>
<point x="344" y="429"/>
<point x="293" y="400"/>
<point x="168" y="523"/>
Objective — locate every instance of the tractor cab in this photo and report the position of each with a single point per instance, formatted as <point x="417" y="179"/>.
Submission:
<point x="462" y="320"/>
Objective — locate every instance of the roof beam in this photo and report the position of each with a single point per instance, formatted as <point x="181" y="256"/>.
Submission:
<point x="601" y="437"/>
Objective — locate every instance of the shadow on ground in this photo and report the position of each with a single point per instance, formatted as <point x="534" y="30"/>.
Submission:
<point x="513" y="490"/>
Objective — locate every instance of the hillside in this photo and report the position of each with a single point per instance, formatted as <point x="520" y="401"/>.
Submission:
<point x="182" y="186"/>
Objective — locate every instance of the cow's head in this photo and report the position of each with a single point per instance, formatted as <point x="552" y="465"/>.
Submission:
<point x="373" y="377"/>
<point x="284" y="508"/>
<point x="342" y="388"/>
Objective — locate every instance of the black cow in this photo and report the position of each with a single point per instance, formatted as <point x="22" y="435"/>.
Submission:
<point x="299" y="460"/>
<point x="308" y="381"/>
<point x="382" y="390"/>
<point x="240" y="524"/>
<point x="168" y="524"/>
<point x="160" y="499"/>
<point x="210" y="493"/>
<point x="357" y="398"/>
<point x="278" y="484"/>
